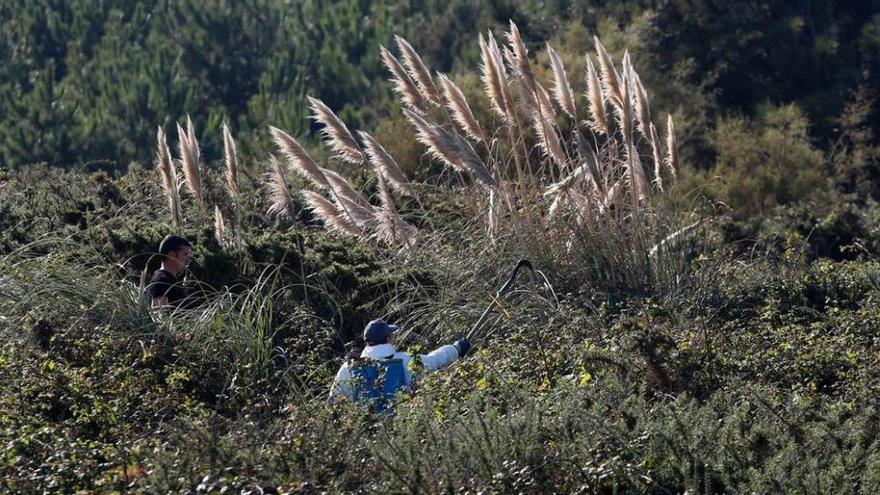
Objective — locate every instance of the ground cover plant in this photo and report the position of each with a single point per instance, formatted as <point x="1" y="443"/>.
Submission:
<point x="667" y="344"/>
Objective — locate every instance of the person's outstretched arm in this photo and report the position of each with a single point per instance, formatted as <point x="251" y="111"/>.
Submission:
<point x="444" y="356"/>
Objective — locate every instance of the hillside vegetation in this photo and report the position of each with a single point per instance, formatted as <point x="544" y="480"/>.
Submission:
<point x="703" y="316"/>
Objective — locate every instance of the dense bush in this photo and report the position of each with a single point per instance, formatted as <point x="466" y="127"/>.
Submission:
<point x="770" y="162"/>
<point x="752" y="381"/>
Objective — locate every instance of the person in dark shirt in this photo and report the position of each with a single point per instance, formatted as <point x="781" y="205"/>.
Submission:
<point x="166" y="287"/>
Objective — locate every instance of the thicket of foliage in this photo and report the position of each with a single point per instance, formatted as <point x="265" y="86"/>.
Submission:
<point x="700" y="329"/>
<point x="758" y="379"/>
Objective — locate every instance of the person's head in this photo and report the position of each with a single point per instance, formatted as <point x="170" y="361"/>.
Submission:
<point x="176" y="253"/>
<point x="378" y="332"/>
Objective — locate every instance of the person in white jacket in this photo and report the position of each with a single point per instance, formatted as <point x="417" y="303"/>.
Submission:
<point x="379" y="349"/>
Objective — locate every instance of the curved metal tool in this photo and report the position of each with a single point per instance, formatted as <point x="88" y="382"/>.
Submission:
<point x="503" y="290"/>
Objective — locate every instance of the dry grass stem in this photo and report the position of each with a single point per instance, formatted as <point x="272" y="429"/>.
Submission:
<point x="419" y="72"/>
<point x="300" y="160"/>
<point x="336" y="133"/>
<point x="561" y="87"/>
<point x="403" y="84"/>
<point x="672" y="238"/>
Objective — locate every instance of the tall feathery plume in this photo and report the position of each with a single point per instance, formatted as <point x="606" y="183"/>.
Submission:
<point x="384" y="163"/>
<point x="671" y="148"/>
<point x="561" y="87"/>
<point x="625" y="109"/>
<point x="460" y="109"/>
<point x="544" y="102"/>
<point x="610" y="77"/>
<point x="495" y="78"/>
<point x="518" y="59"/>
<point x="219" y="227"/>
<point x="549" y="141"/>
<point x="279" y="193"/>
<point x="403" y="84"/>
<point x="344" y="190"/>
<point x="231" y="159"/>
<point x="190" y="161"/>
<point x="170" y="184"/>
<point x="636" y="173"/>
<point x="197" y="157"/>
<point x="384" y="191"/>
<point x="329" y="214"/>
<point x="419" y="72"/>
<point x="451" y="149"/>
<point x="300" y="160"/>
<point x="587" y="157"/>
<point x="544" y="119"/>
<point x="191" y="136"/>
<point x="643" y="110"/>
<point x="336" y="133"/>
<point x="363" y="217"/>
<point x="655" y="150"/>
<point x="599" y="119"/>
<point x="393" y="229"/>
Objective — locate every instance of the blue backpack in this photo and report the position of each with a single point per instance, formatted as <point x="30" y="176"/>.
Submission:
<point x="376" y="382"/>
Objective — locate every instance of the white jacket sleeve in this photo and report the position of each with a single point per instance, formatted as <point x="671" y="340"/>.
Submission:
<point x="439" y="358"/>
<point x="342" y="384"/>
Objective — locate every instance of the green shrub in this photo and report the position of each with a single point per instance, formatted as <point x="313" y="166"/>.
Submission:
<point x="766" y="163"/>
